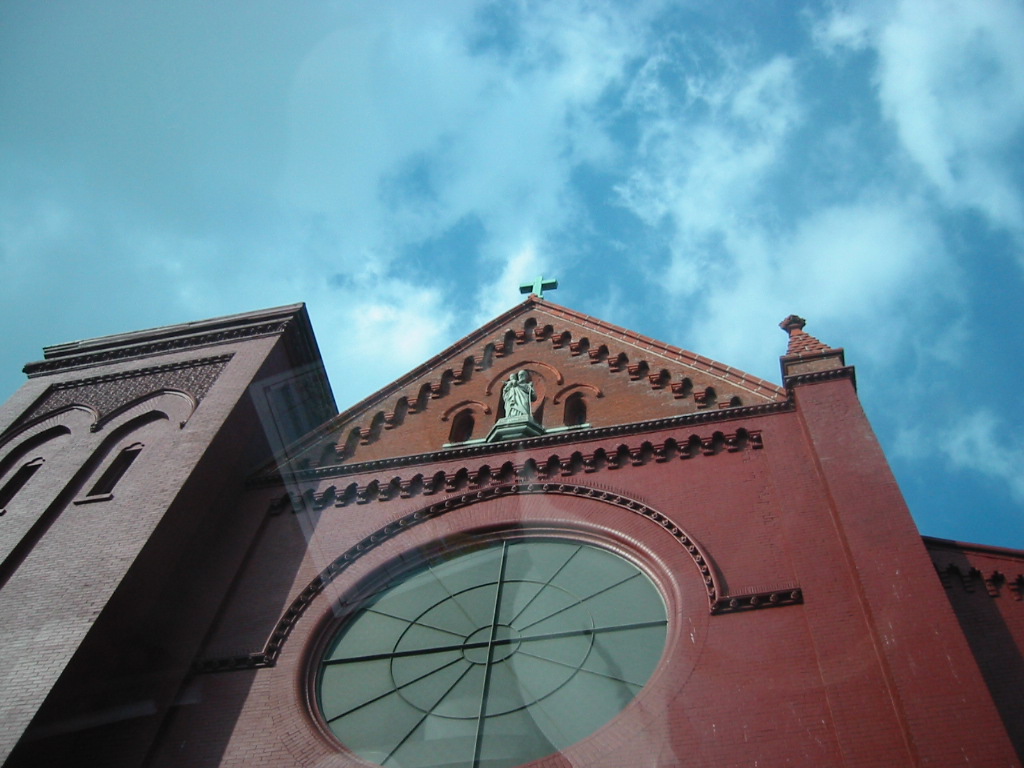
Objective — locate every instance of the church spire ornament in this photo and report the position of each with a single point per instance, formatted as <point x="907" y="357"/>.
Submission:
<point x="538" y="286"/>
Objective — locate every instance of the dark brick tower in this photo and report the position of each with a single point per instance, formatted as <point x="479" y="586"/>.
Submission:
<point x="122" y="459"/>
<point x="168" y="603"/>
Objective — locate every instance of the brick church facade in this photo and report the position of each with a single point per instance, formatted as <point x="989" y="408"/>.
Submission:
<point x="205" y="564"/>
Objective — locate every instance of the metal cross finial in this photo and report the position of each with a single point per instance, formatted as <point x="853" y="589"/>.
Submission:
<point x="538" y="286"/>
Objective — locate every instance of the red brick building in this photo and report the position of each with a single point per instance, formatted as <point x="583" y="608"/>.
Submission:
<point x="557" y="543"/>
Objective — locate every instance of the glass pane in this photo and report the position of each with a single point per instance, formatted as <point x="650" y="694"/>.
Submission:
<point x="368" y="636"/>
<point x="430" y="686"/>
<point x="539" y="561"/>
<point x="346" y="686"/>
<point x="593" y="570"/>
<point x="376" y="729"/>
<point x="421" y="637"/>
<point x="437" y="743"/>
<point x="409" y="599"/>
<point x="407" y="670"/>
<point x="469" y="570"/>
<point x="449" y="615"/>
<point x="516" y="597"/>
<point x="632" y="655"/>
<point x="554" y="612"/>
<point x="462" y="700"/>
<point x="438" y="677"/>
<point x="551" y="603"/>
<point x="627" y="602"/>
<point x="512" y="739"/>
<point x="585" y="703"/>
<point x="477" y="603"/>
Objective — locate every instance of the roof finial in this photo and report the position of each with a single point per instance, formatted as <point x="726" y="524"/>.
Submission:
<point x="793" y="323"/>
<point x="538" y="286"/>
<point x="805" y="353"/>
<point x="801" y="343"/>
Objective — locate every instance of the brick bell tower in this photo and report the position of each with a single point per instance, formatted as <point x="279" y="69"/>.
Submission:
<point x="556" y="543"/>
<point x="121" y="462"/>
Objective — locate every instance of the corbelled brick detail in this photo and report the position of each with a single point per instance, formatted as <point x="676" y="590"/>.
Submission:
<point x="108" y="393"/>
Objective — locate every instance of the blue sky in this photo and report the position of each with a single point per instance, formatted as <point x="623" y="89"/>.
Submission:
<point x="694" y="171"/>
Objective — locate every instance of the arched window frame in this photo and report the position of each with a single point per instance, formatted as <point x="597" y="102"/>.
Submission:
<point x="575" y="410"/>
<point x="463" y="424"/>
<point x="103" y="488"/>
<point x="17" y="481"/>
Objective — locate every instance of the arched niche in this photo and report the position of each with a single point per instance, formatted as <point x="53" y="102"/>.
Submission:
<point x="463" y="424"/>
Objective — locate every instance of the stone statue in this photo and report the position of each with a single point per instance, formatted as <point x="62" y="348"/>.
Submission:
<point x="518" y="392"/>
<point x="518" y="422"/>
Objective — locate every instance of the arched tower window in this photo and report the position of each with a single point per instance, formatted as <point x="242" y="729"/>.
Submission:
<point x="116" y="470"/>
<point x="18" y="481"/>
<point x="462" y="427"/>
<point x="575" y="410"/>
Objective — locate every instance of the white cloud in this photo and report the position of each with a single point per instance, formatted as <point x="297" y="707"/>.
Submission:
<point x="868" y="273"/>
<point x="405" y="98"/>
<point x="706" y="156"/>
<point x="378" y="129"/>
<point x="394" y="329"/>
<point x="496" y="295"/>
<point x="950" y="78"/>
<point x="979" y="442"/>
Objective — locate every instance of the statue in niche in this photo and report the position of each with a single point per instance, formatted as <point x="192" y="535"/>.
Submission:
<point x="517" y="393"/>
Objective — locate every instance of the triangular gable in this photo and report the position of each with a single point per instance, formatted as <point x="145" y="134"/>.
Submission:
<point x="586" y="372"/>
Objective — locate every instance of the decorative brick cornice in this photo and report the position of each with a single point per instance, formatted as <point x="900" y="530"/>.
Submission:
<point x="175" y="344"/>
<point x="973" y="580"/>
<point x="107" y="394"/>
<point x="816" y="377"/>
<point x="385" y="487"/>
<point x="523" y="446"/>
<point x="750" y="601"/>
<point x="717" y="603"/>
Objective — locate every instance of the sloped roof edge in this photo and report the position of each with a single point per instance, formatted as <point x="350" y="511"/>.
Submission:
<point x="699" y="362"/>
<point x="933" y="542"/>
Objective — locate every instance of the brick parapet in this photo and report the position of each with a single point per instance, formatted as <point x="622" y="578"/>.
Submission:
<point x="985" y="588"/>
<point x="927" y="673"/>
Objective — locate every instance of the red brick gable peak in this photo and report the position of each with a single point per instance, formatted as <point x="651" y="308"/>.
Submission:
<point x="620" y="351"/>
<point x="770" y="390"/>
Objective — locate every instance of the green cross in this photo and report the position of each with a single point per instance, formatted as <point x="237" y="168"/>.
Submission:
<point x="538" y="286"/>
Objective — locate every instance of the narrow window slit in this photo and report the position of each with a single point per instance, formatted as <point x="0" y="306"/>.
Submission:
<point x="105" y="485"/>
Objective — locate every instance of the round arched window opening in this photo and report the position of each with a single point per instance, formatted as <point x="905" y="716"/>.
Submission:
<point x="575" y="410"/>
<point x="494" y="656"/>
<point x="462" y="427"/>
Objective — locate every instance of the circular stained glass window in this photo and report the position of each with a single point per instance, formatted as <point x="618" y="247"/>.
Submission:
<point x="492" y="657"/>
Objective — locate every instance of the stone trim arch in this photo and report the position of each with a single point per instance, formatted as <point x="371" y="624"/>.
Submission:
<point x="503" y="373"/>
<point x="30" y="444"/>
<point x="597" y="392"/>
<point x="267" y="657"/>
<point x="191" y="403"/>
<point x="97" y="456"/>
<point x="65" y="417"/>
<point x="462" y="404"/>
